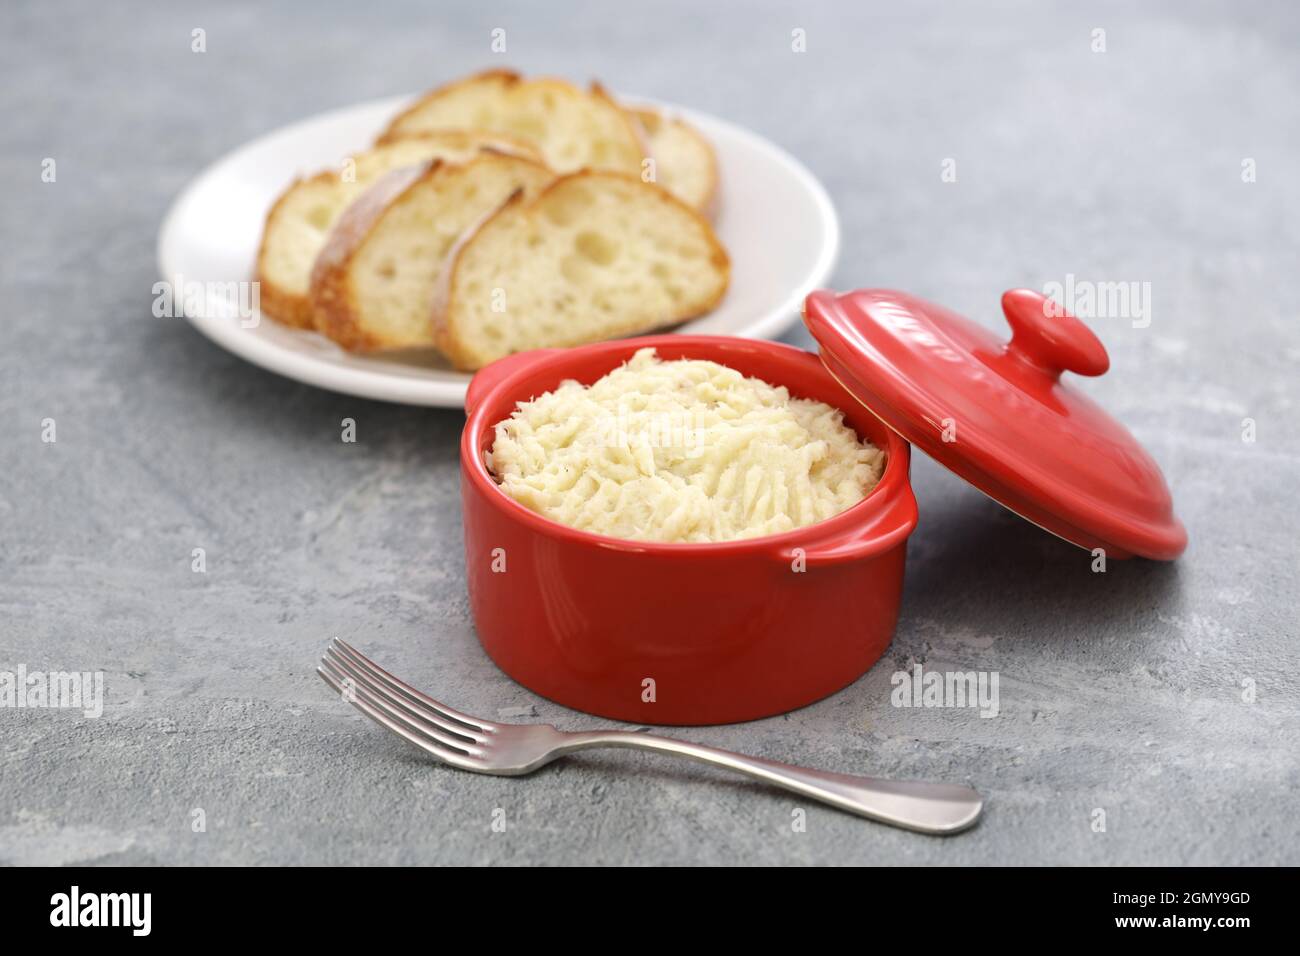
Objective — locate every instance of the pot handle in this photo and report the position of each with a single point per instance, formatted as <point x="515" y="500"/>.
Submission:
<point x="489" y="376"/>
<point x="889" y="526"/>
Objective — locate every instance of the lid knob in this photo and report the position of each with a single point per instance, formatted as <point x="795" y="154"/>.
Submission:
<point x="1050" y="338"/>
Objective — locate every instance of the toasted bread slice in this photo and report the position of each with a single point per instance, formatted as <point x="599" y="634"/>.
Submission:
<point x="373" y="283"/>
<point x="304" y="214"/>
<point x="685" y="163"/>
<point x="571" y="128"/>
<point x="595" y="256"/>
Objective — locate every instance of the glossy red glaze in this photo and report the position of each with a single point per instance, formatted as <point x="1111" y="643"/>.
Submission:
<point x="728" y="631"/>
<point x="997" y="414"/>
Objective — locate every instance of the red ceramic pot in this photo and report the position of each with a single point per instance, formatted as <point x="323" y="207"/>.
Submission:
<point x="680" y="633"/>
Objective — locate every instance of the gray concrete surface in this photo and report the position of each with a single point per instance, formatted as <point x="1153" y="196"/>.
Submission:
<point x="1128" y="692"/>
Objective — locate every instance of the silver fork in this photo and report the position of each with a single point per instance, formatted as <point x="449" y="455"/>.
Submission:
<point x="484" y="746"/>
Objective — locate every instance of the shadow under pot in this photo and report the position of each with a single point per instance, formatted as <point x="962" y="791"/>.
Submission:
<point x="662" y="633"/>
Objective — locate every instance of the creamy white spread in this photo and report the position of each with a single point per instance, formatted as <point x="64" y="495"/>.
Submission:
<point x="681" y="451"/>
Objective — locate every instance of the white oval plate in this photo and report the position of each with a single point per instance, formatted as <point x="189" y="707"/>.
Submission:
<point x="774" y="218"/>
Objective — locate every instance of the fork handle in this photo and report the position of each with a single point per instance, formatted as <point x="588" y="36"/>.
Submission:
<point x="911" y="804"/>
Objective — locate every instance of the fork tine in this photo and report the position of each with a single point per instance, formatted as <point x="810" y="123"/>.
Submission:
<point x="474" y="723"/>
<point x="453" y="728"/>
<point x="352" y="666"/>
<point x="424" y="743"/>
<point x="404" y="715"/>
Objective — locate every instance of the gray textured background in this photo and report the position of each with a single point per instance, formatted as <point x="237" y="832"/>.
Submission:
<point x="1121" y="691"/>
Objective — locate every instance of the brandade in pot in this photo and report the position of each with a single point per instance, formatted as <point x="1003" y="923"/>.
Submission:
<point x="671" y="633"/>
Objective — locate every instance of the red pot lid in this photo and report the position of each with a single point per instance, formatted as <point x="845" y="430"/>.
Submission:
<point x="997" y="414"/>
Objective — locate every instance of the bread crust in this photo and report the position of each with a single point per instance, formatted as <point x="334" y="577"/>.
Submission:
<point x="507" y="79"/>
<point x="709" y="206"/>
<point x="442" y="292"/>
<point x="276" y="302"/>
<point x="445" y="335"/>
<point x="332" y="308"/>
